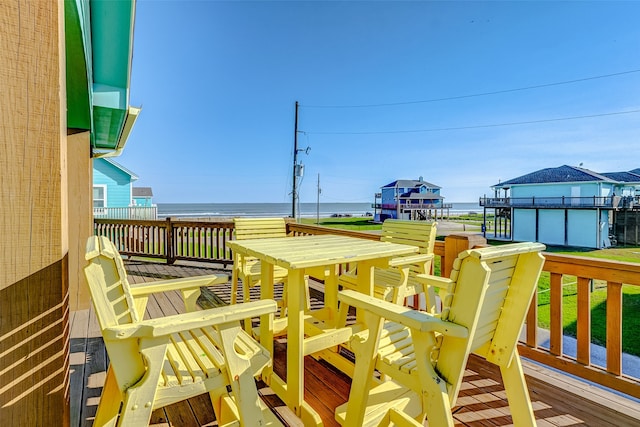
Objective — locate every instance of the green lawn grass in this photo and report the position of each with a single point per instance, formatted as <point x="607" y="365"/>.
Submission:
<point x="351" y="223"/>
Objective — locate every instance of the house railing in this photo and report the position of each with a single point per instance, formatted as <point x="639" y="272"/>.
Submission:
<point x="413" y="206"/>
<point x="131" y="212"/>
<point x="206" y="241"/>
<point x="548" y="202"/>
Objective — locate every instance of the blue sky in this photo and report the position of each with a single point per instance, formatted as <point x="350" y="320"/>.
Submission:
<point x="217" y="82"/>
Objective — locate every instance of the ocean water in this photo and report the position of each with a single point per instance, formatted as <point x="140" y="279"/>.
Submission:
<point x="309" y="210"/>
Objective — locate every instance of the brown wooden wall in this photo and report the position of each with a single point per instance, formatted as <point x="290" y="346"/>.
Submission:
<point x="80" y="178"/>
<point x="34" y="333"/>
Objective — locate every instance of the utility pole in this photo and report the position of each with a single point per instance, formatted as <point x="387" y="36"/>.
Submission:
<point x="397" y="201"/>
<point x="294" y="193"/>
<point x="318" y="204"/>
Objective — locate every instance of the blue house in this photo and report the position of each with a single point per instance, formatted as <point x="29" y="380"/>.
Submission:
<point x="113" y="192"/>
<point x="566" y="206"/>
<point x="142" y="196"/>
<point x="409" y="199"/>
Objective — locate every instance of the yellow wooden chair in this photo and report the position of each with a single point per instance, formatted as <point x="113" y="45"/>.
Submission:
<point x="424" y="356"/>
<point x="247" y="269"/>
<point x="157" y="362"/>
<point x="399" y="281"/>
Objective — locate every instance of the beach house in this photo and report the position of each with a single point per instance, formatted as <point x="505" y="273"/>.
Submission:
<point x="142" y="196"/>
<point x="409" y="199"/>
<point x="565" y="205"/>
<point x="114" y="195"/>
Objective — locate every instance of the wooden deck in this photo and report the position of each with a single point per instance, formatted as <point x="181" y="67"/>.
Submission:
<point x="558" y="400"/>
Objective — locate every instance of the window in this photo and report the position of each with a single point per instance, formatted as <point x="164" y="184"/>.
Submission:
<point x="99" y="196"/>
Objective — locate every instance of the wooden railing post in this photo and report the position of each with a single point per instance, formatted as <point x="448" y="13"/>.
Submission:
<point x="456" y="243"/>
<point x="583" y="329"/>
<point x="614" y="328"/>
<point x="170" y="253"/>
<point x="555" y="314"/>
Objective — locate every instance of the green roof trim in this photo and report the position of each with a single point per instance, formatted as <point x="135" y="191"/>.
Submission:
<point x="108" y="124"/>
<point x="78" y="63"/>
<point x="129" y="120"/>
<point x="99" y="43"/>
<point x="112" y="42"/>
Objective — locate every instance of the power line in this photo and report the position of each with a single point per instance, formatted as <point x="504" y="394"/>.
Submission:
<point x="449" y="98"/>
<point x="478" y="126"/>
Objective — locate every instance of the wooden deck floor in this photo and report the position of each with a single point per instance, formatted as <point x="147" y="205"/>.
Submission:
<point x="557" y="399"/>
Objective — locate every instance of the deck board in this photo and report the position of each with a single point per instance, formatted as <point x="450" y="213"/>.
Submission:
<point x="558" y="400"/>
<point x="79" y="321"/>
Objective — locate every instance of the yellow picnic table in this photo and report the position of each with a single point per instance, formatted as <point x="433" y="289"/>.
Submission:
<point x="318" y="256"/>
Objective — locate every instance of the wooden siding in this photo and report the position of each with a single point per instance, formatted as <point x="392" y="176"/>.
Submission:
<point x="34" y="346"/>
<point x="80" y="219"/>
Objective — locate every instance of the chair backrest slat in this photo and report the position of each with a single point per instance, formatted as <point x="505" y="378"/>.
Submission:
<point x="259" y="228"/>
<point x="108" y="284"/>
<point x="415" y="233"/>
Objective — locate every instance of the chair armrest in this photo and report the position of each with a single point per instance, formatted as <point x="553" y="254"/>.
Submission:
<point x="198" y="319"/>
<point x="410" y="259"/>
<point x="436" y="281"/>
<point x="413" y="319"/>
<point x="177" y="284"/>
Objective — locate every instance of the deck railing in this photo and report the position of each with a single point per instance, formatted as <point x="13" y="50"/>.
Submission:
<point x="131" y="212"/>
<point x="206" y="241"/>
<point x="607" y="202"/>
<point x="613" y="275"/>
<point x="170" y="239"/>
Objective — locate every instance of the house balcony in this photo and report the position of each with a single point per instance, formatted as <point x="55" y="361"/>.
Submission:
<point x="412" y="206"/>
<point x="592" y="202"/>
<point x="131" y="212"/>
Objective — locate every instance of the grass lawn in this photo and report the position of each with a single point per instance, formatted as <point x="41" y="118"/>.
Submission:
<point x="351" y="223"/>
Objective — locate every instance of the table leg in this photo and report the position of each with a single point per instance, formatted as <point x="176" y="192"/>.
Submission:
<point x="296" y="304"/>
<point x="365" y="283"/>
<point x="331" y="296"/>
<point x="291" y="392"/>
<point x="266" y="292"/>
<point x="295" y="340"/>
<point x="234" y="279"/>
